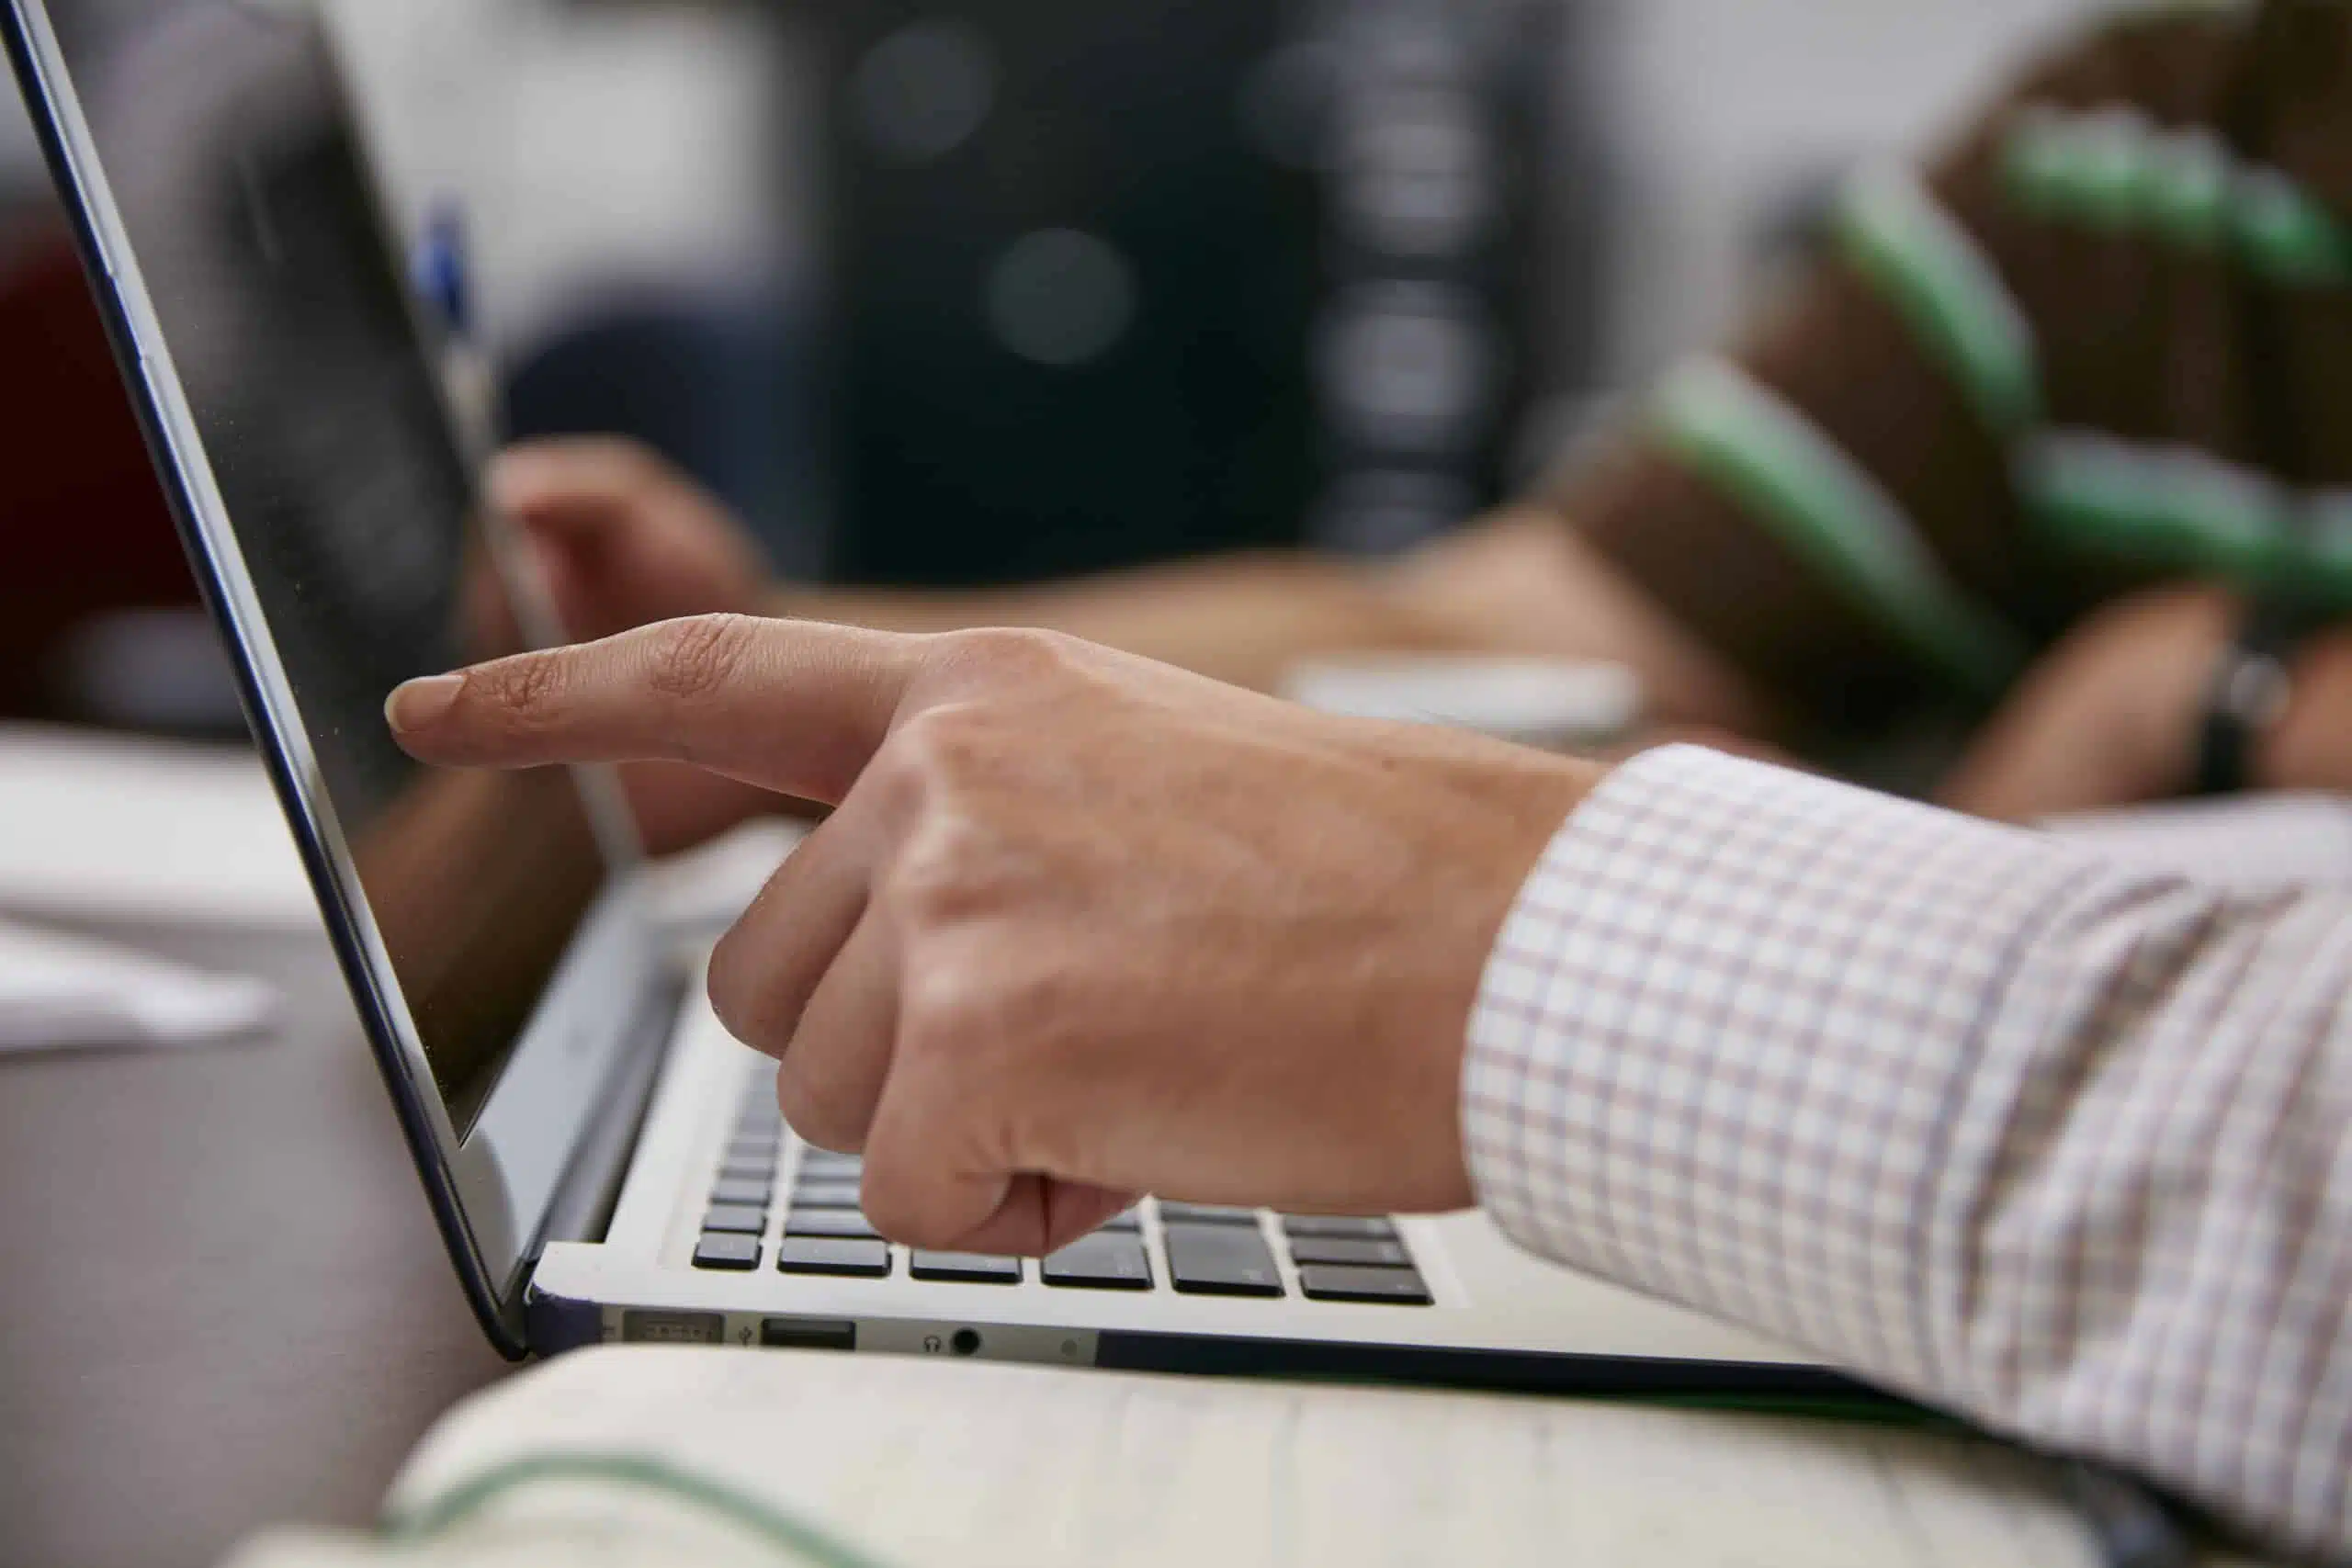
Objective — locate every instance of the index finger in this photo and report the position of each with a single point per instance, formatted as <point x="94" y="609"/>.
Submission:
<point x="795" y="706"/>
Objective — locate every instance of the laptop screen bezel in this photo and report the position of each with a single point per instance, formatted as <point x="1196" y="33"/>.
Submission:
<point x="492" y="1189"/>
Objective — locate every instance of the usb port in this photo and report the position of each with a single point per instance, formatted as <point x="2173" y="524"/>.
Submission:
<point x="808" y="1334"/>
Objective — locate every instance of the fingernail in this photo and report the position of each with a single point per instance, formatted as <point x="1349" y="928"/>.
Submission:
<point x="420" y="703"/>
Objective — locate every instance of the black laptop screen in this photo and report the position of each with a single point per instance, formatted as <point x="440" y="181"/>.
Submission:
<point x="223" y="135"/>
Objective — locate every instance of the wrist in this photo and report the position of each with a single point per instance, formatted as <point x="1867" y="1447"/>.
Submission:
<point x="2308" y="745"/>
<point x="1532" y="796"/>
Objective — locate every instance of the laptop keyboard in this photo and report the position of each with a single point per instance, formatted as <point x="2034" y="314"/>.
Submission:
<point x="811" y="1225"/>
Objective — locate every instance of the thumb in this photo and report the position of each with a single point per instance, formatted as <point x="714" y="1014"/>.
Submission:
<point x="794" y="706"/>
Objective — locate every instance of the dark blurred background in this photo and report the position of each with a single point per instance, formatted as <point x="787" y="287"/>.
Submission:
<point x="994" y="291"/>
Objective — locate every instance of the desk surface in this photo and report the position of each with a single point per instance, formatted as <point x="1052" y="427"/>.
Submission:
<point x="194" y="1340"/>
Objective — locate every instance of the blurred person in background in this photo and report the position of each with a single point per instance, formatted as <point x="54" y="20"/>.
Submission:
<point x="2047" y="435"/>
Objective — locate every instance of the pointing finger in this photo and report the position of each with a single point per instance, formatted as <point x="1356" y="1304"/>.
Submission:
<point x="794" y="706"/>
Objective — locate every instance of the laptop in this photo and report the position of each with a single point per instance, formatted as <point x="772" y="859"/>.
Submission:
<point x="605" y="1163"/>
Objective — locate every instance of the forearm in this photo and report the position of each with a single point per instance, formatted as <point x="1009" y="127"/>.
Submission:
<point x="1981" y="1117"/>
<point x="1517" y="583"/>
<point x="1243" y="619"/>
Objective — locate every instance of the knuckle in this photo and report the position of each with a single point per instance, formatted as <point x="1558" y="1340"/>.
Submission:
<point x="987" y="1014"/>
<point x="934" y="1007"/>
<point x="520" y="692"/>
<point x="947" y="1007"/>
<point x="944" y="742"/>
<point x="1007" y="655"/>
<point x="812" y="1111"/>
<point x="929" y="758"/>
<point x="944" y="875"/>
<point x="1036" y="1003"/>
<point x="693" y="660"/>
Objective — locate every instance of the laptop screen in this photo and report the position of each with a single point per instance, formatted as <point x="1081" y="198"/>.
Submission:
<point x="233" y="162"/>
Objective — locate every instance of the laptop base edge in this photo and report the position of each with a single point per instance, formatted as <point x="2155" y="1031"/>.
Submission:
<point x="560" y="1325"/>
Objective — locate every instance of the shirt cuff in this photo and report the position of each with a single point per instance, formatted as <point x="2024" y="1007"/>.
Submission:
<point x="1723" y="1034"/>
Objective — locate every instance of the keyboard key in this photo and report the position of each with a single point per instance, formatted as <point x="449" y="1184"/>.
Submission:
<point x="1099" y="1262"/>
<point x="1221" y="1260"/>
<point x="750" y="1194"/>
<point x="754" y="1151"/>
<point x="1402" y="1287"/>
<point x="1340" y="1227"/>
<point x="1129" y="1222"/>
<point x="813" y="1161"/>
<point x="825" y="1195"/>
<point x="970" y="1267"/>
<point x="1205" y="1214"/>
<point x="847" y="1223"/>
<point x="817" y="1255"/>
<point x="1306" y="1249"/>
<point x="741" y="1170"/>
<point x="719" y="1250"/>
<point x="736" y="1219"/>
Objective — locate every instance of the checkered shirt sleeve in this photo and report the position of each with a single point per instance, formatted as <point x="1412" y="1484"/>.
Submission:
<point x="2058" y="1142"/>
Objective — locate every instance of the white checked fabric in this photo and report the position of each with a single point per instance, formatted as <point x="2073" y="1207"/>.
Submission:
<point x="2241" y="841"/>
<point x="2037" y="1135"/>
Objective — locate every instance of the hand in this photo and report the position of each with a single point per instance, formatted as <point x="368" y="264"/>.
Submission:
<point x="2310" y="745"/>
<point x="1082" y="926"/>
<point x="2108" y="717"/>
<point x="622" y="539"/>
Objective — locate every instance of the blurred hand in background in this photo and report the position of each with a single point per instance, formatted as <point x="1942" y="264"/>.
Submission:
<point x="2106" y="717"/>
<point x="622" y="539"/>
<point x="2110" y="716"/>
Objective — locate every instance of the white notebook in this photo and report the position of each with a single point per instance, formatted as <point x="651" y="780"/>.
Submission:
<point x="641" y="1456"/>
<point x="62" y="993"/>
